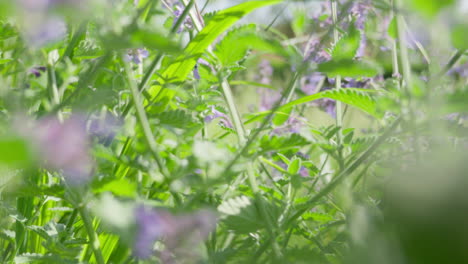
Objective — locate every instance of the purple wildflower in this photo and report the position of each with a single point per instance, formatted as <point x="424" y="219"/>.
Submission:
<point x="292" y="126"/>
<point x="196" y="69"/>
<point x="360" y="10"/>
<point x="266" y="72"/>
<point x="150" y="227"/>
<point x="329" y="106"/>
<point x="268" y="98"/>
<point x="178" y="10"/>
<point x="304" y="172"/>
<point x="224" y="119"/>
<point x="37" y="71"/>
<point x="316" y="53"/>
<point x="45" y="31"/>
<point x="62" y="146"/>
<point x="310" y="84"/>
<point x="153" y="225"/>
<point x="136" y="55"/>
<point x="196" y="73"/>
<point x="104" y="128"/>
<point x="461" y="71"/>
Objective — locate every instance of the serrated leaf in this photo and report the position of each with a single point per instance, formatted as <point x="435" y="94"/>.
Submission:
<point x="347" y="46"/>
<point x="280" y="143"/>
<point x="237" y="42"/>
<point x="360" y="98"/>
<point x="176" y="118"/>
<point x="215" y="26"/>
<point x="240" y="214"/>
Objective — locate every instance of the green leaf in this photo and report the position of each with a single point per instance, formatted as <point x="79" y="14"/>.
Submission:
<point x="430" y="8"/>
<point x="359" y="98"/>
<point x="237" y="42"/>
<point x="215" y="26"/>
<point x="14" y="151"/>
<point x="240" y="214"/>
<point x="153" y="40"/>
<point x="282" y="116"/>
<point x="347" y="46"/>
<point x="120" y="187"/>
<point x="280" y="143"/>
<point x="294" y="166"/>
<point x="299" y="22"/>
<point x="348" y="68"/>
<point x="460" y="36"/>
<point x="392" y="29"/>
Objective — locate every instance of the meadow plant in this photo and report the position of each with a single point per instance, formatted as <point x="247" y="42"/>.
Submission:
<point x="268" y="131"/>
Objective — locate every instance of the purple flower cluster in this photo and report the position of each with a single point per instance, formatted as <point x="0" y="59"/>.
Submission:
<point x="104" y="128"/>
<point x="268" y="97"/>
<point x="187" y="23"/>
<point x="41" y="26"/>
<point x="62" y="146"/>
<point x="136" y="55"/>
<point x="37" y="70"/>
<point x="174" y="231"/>
<point x="224" y="119"/>
<point x="292" y="126"/>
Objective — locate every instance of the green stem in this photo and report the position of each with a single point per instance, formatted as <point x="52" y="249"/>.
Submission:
<point x="93" y="237"/>
<point x="52" y="85"/>
<point x="238" y="125"/>
<point x="347" y="171"/>
<point x="404" y="57"/>
<point x="339" y="105"/>
<point x="143" y="119"/>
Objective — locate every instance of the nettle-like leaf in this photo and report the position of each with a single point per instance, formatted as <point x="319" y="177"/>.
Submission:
<point x="241" y="214"/>
<point x="175" y="118"/>
<point x="348" y="45"/>
<point x="215" y="26"/>
<point x="349" y="68"/>
<point x="237" y="42"/>
<point x="280" y="143"/>
<point x="362" y="99"/>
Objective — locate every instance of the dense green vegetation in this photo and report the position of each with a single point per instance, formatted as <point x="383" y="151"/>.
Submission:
<point x="160" y="132"/>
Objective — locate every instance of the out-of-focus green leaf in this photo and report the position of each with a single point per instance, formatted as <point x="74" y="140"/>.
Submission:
<point x="392" y="29"/>
<point x="348" y="45"/>
<point x="215" y="26"/>
<point x="348" y="68"/>
<point x="294" y="166"/>
<point x="241" y="214"/>
<point x="460" y="36"/>
<point x="360" y="98"/>
<point x="121" y="187"/>
<point x="280" y="143"/>
<point x="429" y="8"/>
<point x="14" y="151"/>
<point x="238" y="41"/>
<point x="299" y="22"/>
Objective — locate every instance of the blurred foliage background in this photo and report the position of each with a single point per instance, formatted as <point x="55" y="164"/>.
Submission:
<point x="233" y="131"/>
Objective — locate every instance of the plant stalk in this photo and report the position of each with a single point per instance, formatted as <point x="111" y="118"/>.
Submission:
<point x="339" y="105"/>
<point x="93" y="237"/>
